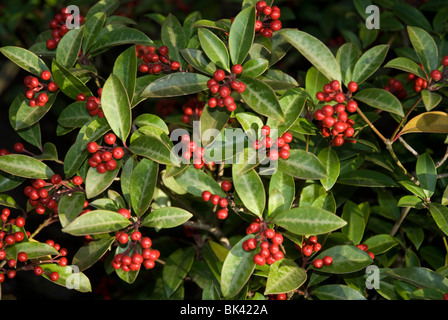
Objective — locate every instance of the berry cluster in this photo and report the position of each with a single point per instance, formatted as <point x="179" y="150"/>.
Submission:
<point x="139" y="252"/>
<point x="365" y="248"/>
<point x="333" y="120"/>
<point x="93" y="104"/>
<point x="59" y="27"/>
<point x="216" y="200"/>
<point x="270" y="242"/>
<point x="221" y="86"/>
<point x="104" y="157"/>
<point x="279" y="148"/>
<point x="192" y="108"/>
<point x="267" y="19"/>
<point x="8" y="237"/>
<point x="43" y="195"/>
<point x="34" y="94"/>
<point x="310" y="246"/>
<point x="154" y="63"/>
<point x="191" y="150"/>
<point x="395" y="87"/>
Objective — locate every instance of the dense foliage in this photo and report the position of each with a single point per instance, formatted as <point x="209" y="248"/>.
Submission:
<point x="283" y="151"/>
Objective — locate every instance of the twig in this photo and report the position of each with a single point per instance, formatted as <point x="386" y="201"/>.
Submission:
<point x="370" y="124"/>
<point x="44" y="224"/>
<point x="394" y="135"/>
<point x="442" y="161"/>
<point x="400" y="221"/>
<point x="407" y="146"/>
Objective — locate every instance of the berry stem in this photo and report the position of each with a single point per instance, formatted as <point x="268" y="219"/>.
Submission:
<point x="370" y="124"/>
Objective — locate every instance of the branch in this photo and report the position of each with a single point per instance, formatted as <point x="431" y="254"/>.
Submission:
<point x="407" y="146"/>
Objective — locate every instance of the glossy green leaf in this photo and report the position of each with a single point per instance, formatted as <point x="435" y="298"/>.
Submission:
<point x="70" y="207"/>
<point x="420" y="277"/>
<point x="177" y="265"/>
<point x="285" y="185"/>
<point x="278" y="80"/>
<point x="96" y="183"/>
<point x="26" y="116"/>
<point x="89" y="254"/>
<point x="96" y="222"/>
<point x="105" y="6"/>
<point x="440" y="215"/>
<point x="176" y="84"/>
<point x="308" y="221"/>
<point x="406" y="65"/>
<point x="303" y="165"/>
<point x="250" y="190"/>
<point x="356" y="222"/>
<point x="214" y="48"/>
<point x="314" y="51"/>
<point x="429" y="122"/>
<point x="25" y="59"/>
<point x="337" y="292"/>
<point x="125" y="68"/>
<point x="33" y="250"/>
<point x="92" y="29"/>
<point x="426" y="174"/>
<point x="117" y="37"/>
<point x="25" y="166"/>
<point x="68" y="83"/>
<point x="255" y="67"/>
<point x="68" y="48"/>
<point x="380" y="243"/>
<point x="430" y="99"/>
<point x="425" y="48"/>
<point x="241" y="35"/>
<point x="167" y="217"/>
<point x="173" y="36"/>
<point x="212" y="119"/>
<point x="148" y="119"/>
<point x="346" y="259"/>
<point x="142" y="185"/>
<point x="74" y="115"/>
<point x="31" y="134"/>
<point x="380" y="99"/>
<point x="74" y="158"/>
<point x="347" y="56"/>
<point x="155" y="148"/>
<point x="330" y="160"/>
<point x="9" y="182"/>
<point x="237" y="269"/>
<point x="196" y="181"/>
<point x="116" y="107"/>
<point x="366" y="178"/>
<point x="369" y="62"/>
<point x="198" y="60"/>
<point x="262" y="99"/>
<point x="284" y="276"/>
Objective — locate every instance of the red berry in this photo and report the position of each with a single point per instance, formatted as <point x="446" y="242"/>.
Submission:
<point x="445" y="61"/>
<point x="436" y="75"/>
<point x="174" y="65"/>
<point x="327" y="260"/>
<point x="335" y="85"/>
<point x="20" y="222"/>
<point x="92" y="147"/>
<point x="117" y="153"/>
<point x="212" y="102"/>
<point x="237" y="69"/>
<point x="77" y="180"/>
<point x="38" y="270"/>
<point x="223" y="202"/>
<point x="111" y="165"/>
<point x="287" y="137"/>
<point x="339" y="97"/>
<point x="307" y="250"/>
<point x="215" y="199"/>
<point x="45" y="75"/>
<point x="265" y="130"/>
<point x="163" y="50"/>
<point x="110" y="138"/>
<point x="259" y="260"/>
<point x="269" y="233"/>
<point x="18" y="147"/>
<point x="352" y="106"/>
<point x="317" y="263"/>
<point x="260" y="5"/>
<point x="51" y="44"/>
<point x="371" y="254"/>
<point x="219" y="75"/>
<point x="206" y="195"/>
<point x="42" y="97"/>
<point x="226" y="185"/>
<point x="275" y="25"/>
<point x="284" y="153"/>
<point x="352" y="86"/>
<point x="124" y="212"/>
<point x="222" y="214"/>
<point x="327" y="110"/>
<point x="146" y="242"/>
<point x="52" y="87"/>
<point x="54" y="276"/>
<point x="22" y="256"/>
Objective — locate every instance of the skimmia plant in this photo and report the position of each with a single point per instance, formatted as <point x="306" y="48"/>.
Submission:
<point x="326" y="183"/>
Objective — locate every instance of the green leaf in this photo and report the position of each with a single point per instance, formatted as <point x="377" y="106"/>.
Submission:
<point x="198" y="60"/>
<point x="33" y="249"/>
<point x="125" y="68"/>
<point x="173" y="36"/>
<point x="31" y="134"/>
<point x="96" y="222"/>
<point x="155" y="148"/>
<point x="380" y="243"/>
<point x="214" y="120"/>
<point x="356" y="222"/>
<point x="278" y="80"/>
<point x="70" y="207"/>
<point x="25" y="59"/>
<point x="430" y="99"/>
<point x="284" y="276"/>
<point x="237" y="269"/>
<point x="346" y="259"/>
<point x="177" y="265"/>
<point x="68" y="48"/>
<point x="214" y="48"/>
<point x="369" y="62"/>
<point x="74" y="158"/>
<point x="90" y="253"/>
<point x="24" y="116"/>
<point x="314" y="82"/>
<point x="411" y="16"/>
<point x="69" y="84"/>
<point x="420" y="277"/>
<point x="176" y="84"/>
<point x="9" y="182"/>
<point x="69" y="277"/>
<point x="425" y="48"/>
<point x="380" y="99"/>
<point x="308" y="221"/>
<point x="196" y="181"/>
<point x="285" y="185"/>
<point x="337" y="292"/>
<point x="116" y="107"/>
<point x="116" y="37"/>
<point x="347" y="56"/>
<point x="406" y="65"/>
<point x="262" y="99"/>
<point x="366" y="178"/>
<point x="98" y="182"/>
<point x="142" y="185"/>
<point x="430" y="122"/>
<point x="8" y="201"/>
<point x="167" y="217"/>
<point x="147" y="119"/>
<point x="241" y="35"/>
<point x="25" y="166"/>
<point x="74" y="115"/>
<point x="255" y="67"/>
<point x="330" y="160"/>
<point x="314" y="51"/>
<point x="303" y="165"/>
<point x="426" y="174"/>
<point x="105" y="6"/>
<point x="92" y="29"/>
<point x="440" y="215"/>
<point x="250" y="190"/>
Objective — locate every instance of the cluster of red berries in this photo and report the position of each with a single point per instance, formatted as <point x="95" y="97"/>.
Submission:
<point x="435" y="76"/>
<point x="221" y="86"/>
<point x="142" y="254"/>
<point x="154" y="63"/>
<point x="219" y="201"/>
<point x="310" y="246"/>
<point x="267" y="20"/>
<point x="59" y="27"/>
<point x="93" y="104"/>
<point x="104" y="158"/>
<point x="43" y="195"/>
<point x="269" y="240"/>
<point x="191" y="150"/>
<point x="192" y="108"/>
<point x="278" y="148"/>
<point x="34" y="94"/>
<point x="333" y="120"/>
<point x="365" y="248"/>
<point x="395" y="87"/>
